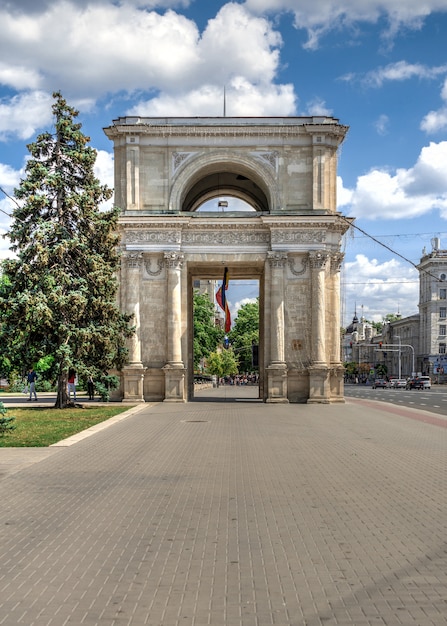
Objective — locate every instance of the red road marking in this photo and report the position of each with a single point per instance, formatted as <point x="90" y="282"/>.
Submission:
<point x="403" y="412"/>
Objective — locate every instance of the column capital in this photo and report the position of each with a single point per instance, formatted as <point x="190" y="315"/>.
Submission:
<point x="174" y="260"/>
<point x="276" y="259"/>
<point x="318" y="259"/>
<point x="133" y="258"/>
<point x="336" y="261"/>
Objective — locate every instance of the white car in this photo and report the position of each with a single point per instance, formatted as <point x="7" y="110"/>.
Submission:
<point x="399" y="383"/>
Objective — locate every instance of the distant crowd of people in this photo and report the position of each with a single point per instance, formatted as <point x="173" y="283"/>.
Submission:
<point x="241" y="379"/>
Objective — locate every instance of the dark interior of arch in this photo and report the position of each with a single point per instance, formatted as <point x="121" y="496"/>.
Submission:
<point x="219" y="184"/>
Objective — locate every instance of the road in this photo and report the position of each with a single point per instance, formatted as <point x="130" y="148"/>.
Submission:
<point x="434" y="399"/>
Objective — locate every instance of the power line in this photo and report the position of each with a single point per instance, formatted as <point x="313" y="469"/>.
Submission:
<point x="352" y="225"/>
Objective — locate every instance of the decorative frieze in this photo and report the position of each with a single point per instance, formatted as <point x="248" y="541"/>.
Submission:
<point x="301" y="236"/>
<point x="226" y="238"/>
<point x="153" y="236"/>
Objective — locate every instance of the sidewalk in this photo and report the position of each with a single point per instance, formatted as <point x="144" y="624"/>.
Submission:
<point x="231" y="513"/>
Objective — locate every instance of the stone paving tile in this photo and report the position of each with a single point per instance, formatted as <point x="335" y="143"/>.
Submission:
<point x="232" y="514"/>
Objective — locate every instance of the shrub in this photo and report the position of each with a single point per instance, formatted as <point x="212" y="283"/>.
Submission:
<point x="6" y="423"/>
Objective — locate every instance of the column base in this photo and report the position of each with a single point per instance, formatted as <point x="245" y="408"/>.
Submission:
<point x="174" y="382"/>
<point x="133" y="377"/>
<point x="277" y="384"/>
<point x="337" y="382"/>
<point x="319" y="388"/>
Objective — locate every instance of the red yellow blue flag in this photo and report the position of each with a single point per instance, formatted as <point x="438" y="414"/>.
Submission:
<point x="221" y="299"/>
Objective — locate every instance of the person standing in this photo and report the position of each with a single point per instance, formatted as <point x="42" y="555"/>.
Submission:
<point x="90" y="388"/>
<point x="71" y="386"/>
<point x="31" y="379"/>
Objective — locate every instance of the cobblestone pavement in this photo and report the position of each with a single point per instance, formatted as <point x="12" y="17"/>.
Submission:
<point x="231" y="513"/>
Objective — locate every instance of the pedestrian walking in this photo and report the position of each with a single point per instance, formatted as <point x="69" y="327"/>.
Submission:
<point x="71" y="384"/>
<point x="31" y="379"/>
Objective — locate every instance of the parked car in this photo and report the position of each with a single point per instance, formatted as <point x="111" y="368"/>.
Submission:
<point x="419" y="382"/>
<point x="380" y="383"/>
<point x="398" y="383"/>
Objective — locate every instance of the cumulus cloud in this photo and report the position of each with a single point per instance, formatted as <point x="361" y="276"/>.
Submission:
<point x="9" y="179"/>
<point x="89" y="50"/>
<point x="92" y="50"/>
<point x="318" y="17"/>
<point x="38" y="6"/>
<point x="396" y="291"/>
<point x="436" y="121"/>
<point x="404" y="193"/>
<point x="242" y="99"/>
<point x="23" y="114"/>
<point x="104" y="167"/>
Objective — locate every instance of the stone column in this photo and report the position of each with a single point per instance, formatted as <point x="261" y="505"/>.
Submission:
<point x="133" y="372"/>
<point x="318" y="370"/>
<point x="337" y="370"/>
<point x="277" y="369"/>
<point x="174" y="368"/>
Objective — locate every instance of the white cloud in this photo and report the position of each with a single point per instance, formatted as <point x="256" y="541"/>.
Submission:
<point x="87" y="51"/>
<point x="396" y="291"/>
<point x="436" y="121"/>
<point x="412" y="192"/>
<point x="320" y="16"/>
<point x="242" y="98"/>
<point x="19" y="77"/>
<point x="104" y="168"/>
<point x="317" y="106"/>
<point x="400" y="71"/>
<point x="9" y="177"/>
<point x="23" y="114"/>
<point x="381" y="124"/>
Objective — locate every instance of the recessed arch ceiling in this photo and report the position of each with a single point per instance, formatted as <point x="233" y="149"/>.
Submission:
<point x="226" y="183"/>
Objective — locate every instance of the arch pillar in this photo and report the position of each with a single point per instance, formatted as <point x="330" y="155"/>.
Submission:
<point x="337" y="369"/>
<point x="319" y="389"/>
<point x="133" y="373"/>
<point x="277" y="369"/>
<point x="174" y="369"/>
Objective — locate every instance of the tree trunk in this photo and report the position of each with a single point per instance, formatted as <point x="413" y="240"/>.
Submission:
<point x="62" y="393"/>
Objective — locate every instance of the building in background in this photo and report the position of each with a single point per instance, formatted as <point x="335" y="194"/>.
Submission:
<point x="433" y="311"/>
<point x="410" y="345"/>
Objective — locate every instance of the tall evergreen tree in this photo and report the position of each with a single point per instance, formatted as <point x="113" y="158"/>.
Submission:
<point x="59" y="293"/>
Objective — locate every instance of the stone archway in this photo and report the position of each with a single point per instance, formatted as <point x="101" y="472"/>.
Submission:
<point x="286" y="169"/>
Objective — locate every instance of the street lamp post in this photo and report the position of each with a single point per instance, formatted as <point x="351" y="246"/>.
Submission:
<point x="400" y="357"/>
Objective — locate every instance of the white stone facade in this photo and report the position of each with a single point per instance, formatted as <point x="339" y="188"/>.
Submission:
<point x="285" y="168"/>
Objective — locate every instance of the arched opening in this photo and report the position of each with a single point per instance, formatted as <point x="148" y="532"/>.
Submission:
<point x="246" y="285"/>
<point x="245" y="191"/>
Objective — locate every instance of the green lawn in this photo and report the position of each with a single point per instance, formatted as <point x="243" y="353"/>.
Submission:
<point x="40" y="427"/>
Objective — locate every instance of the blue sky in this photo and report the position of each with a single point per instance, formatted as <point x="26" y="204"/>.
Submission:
<point x="382" y="71"/>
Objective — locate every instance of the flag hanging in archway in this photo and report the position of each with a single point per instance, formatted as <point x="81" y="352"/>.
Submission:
<point x="221" y="299"/>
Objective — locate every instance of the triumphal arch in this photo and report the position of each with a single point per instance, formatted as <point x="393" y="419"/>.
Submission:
<point x="285" y="169"/>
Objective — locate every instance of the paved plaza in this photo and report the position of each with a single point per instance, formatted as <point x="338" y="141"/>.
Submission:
<point x="230" y="513"/>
